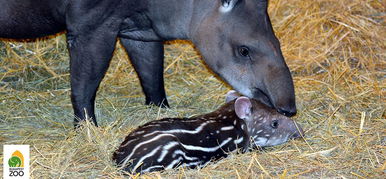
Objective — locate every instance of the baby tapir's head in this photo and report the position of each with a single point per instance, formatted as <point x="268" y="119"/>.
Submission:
<point x="265" y="126"/>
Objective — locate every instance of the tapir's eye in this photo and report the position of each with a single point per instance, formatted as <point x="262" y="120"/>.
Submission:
<point x="275" y="124"/>
<point x="244" y="51"/>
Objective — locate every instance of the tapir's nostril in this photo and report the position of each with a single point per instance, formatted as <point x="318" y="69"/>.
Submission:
<point x="288" y="113"/>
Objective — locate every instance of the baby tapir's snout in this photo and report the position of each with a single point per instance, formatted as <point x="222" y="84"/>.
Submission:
<point x="266" y="127"/>
<point x="278" y="129"/>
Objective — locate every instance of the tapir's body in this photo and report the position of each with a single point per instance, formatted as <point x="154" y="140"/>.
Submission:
<point x="193" y="142"/>
<point x="235" y="38"/>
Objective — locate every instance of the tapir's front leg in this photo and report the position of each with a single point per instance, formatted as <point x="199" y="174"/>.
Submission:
<point x="91" y="49"/>
<point x="90" y="57"/>
<point x="92" y="29"/>
<point x="148" y="58"/>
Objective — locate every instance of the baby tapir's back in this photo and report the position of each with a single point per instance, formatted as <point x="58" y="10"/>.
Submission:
<point x="169" y="143"/>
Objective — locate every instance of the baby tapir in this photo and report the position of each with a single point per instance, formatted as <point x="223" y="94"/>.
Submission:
<point x="242" y="123"/>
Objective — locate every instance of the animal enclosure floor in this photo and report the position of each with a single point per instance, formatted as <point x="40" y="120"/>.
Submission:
<point x="336" y="51"/>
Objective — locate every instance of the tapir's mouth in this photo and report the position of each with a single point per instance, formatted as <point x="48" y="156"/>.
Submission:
<point x="262" y="97"/>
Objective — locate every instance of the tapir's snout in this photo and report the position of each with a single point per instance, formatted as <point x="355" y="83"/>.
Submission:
<point x="285" y="105"/>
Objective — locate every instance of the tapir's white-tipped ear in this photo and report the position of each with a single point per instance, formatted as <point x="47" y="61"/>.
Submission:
<point x="227" y="5"/>
<point x="231" y="95"/>
<point x="243" y="107"/>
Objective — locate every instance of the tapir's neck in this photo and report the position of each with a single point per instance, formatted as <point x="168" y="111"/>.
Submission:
<point x="177" y="19"/>
<point x="170" y="18"/>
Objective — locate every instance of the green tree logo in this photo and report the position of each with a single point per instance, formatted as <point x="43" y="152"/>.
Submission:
<point x="16" y="160"/>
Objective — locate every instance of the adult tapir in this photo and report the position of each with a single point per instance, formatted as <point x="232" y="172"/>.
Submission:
<point x="235" y="38"/>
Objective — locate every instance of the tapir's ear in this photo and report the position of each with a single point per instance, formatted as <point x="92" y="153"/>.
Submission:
<point x="227" y="5"/>
<point x="243" y="107"/>
<point x="231" y="95"/>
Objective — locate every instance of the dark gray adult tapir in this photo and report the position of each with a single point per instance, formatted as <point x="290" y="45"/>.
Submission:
<point x="235" y="38"/>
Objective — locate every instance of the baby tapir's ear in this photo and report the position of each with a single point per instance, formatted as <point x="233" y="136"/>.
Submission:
<point x="231" y="95"/>
<point x="243" y="107"/>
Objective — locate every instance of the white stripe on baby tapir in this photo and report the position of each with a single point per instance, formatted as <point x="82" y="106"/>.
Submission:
<point x="128" y="142"/>
<point x="139" y="163"/>
<point x="165" y="150"/>
<point x="139" y="132"/>
<point x="183" y="154"/>
<point x="238" y="141"/>
<point x="142" y="143"/>
<point x="195" y="131"/>
<point x="192" y="164"/>
<point x="227" y="128"/>
<point x="152" y="167"/>
<point x="204" y="149"/>
<point x="171" y="165"/>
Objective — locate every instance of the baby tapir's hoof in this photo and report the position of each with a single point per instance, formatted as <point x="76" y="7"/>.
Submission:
<point x="242" y="123"/>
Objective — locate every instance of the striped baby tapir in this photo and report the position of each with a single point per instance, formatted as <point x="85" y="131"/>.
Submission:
<point x="241" y="124"/>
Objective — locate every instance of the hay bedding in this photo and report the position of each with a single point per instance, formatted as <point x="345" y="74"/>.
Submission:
<point x="335" y="49"/>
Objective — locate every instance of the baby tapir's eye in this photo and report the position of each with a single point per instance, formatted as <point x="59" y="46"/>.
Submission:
<point x="275" y="124"/>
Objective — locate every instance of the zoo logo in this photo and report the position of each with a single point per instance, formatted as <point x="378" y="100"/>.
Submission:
<point x="16" y="160"/>
<point x="16" y="164"/>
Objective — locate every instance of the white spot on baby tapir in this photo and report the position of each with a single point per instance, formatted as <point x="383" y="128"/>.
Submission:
<point x="242" y="127"/>
<point x="207" y="137"/>
<point x="224" y="117"/>
<point x="253" y="130"/>
<point x="259" y="131"/>
<point x="234" y="122"/>
<point x="211" y="133"/>
<point x="219" y="116"/>
<point x="200" y="141"/>
<point x="218" y="132"/>
<point x="267" y="135"/>
<point x="204" y="157"/>
<point x="230" y="110"/>
<point x="144" y="149"/>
